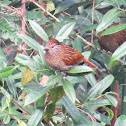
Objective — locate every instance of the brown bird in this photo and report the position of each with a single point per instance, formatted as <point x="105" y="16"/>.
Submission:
<point x="62" y="57"/>
<point x="113" y="41"/>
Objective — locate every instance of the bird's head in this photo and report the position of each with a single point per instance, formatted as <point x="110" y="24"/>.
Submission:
<point x="51" y="44"/>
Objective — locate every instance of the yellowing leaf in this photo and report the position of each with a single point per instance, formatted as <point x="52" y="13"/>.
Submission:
<point x="27" y="76"/>
<point x="50" y="6"/>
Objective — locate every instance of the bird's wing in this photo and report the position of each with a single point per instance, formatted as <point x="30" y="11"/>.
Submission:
<point x="69" y="55"/>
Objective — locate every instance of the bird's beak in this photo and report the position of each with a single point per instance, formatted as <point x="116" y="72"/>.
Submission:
<point x="46" y="49"/>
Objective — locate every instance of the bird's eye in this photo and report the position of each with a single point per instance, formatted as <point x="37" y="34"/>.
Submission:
<point x="53" y="45"/>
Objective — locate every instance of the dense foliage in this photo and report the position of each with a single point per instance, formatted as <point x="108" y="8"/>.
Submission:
<point x="34" y="94"/>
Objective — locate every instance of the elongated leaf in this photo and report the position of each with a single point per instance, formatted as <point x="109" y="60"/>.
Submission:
<point x="98" y="102"/>
<point x="110" y="112"/>
<point x="89" y="28"/>
<point x="78" y="44"/>
<point x="29" y="41"/>
<point x="22" y="59"/>
<point x="34" y="95"/>
<point x="15" y="76"/>
<point x="12" y="123"/>
<point x="3" y="103"/>
<point x="35" y="118"/>
<point x="114" y="29"/>
<point x="5" y="72"/>
<point x="27" y="76"/>
<point x="108" y="19"/>
<point x="100" y="87"/>
<point x="11" y="86"/>
<point x="119" y="53"/>
<point x="39" y="30"/>
<point x="6" y="119"/>
<point x="7" y="95"/>
<point x="86" y="54"/>
<point x="75" y="79"/>
<point x="91" y="79"/>
<point x="40" y="48"/>
<point x="75" y="113"/>
<point x="80" y="69"/>
<point x="65" y="31"/>
<point x="49" y="112"/>
<point x="112" y="99"/>
<point x="3" y="61"/>
<point x="69" y="90"/>
<point x="121" y="121"/>
<point x="123" y="2"/>
<point x="21" y="123"/>
<point x="64" y="4"/>
<point x="50" y="6"/>
<point x="53" y="79"/>
<point x="56" y="93"/>
<point x="102" y="118"/>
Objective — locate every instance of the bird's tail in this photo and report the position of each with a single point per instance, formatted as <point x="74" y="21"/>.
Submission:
<point x="91" y="65"/>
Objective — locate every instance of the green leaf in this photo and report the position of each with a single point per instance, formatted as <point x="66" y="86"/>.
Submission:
<point x="15" y="76"/>
<point x="3" y="61"/>
<point x="3" y="102"/>
<point x="100" y="87"/>
<point x="123" y="2"/>
<point x="29" y="41"/>
<point x="75" y="113"/>
<point x="86" y="54"/>
<point x="34" y="95"/>
<point x="69" y="90"/>
<point x="114" y="29"/>
<point x="22" y="59"/>
<point x="6" y="119"/>
<point x="35" y="118"/>
<point x="8" y="31"/>
<point x="65" y="31"/>
<point x="56" y="93"/>
<point x="112" y="99"/>
<point x="110" y="112"/>
<point x="53" y="79"/>
<point x="78" y="44"/>
<point x="39" y="30"/>
<point x="102" y="118"/>
<point x="12" y="123"/>
<point x="108" y="19"/>
<point x="41" y="102"/>
<point x="91" y="79"/>
<point x="98" y="102"/>
<point x="21" y="123"/>
<point x="119" y="53"/>
<point x="89" y="28"/>
<point x="49" y="112"/>
<point x="6" y="94"/>
<point x="124" y="100"/>
<point x="121" y="121"/>
<point x="64" y="4"/>
<point x="41" y="53"/>
<point x="75" y="79"/>
<point x="80" y="69"/>
<point x="5" y="72"/>
<point x="50" y="6"/>
<point x="11" y="86"/>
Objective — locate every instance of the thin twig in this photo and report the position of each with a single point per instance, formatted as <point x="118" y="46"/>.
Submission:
<point x="92" y="31"/>
<point x="85" y="41"/>
<point x="92" y="118"/>
<point x="7" y="7"/>
<point x="21" y="106"/>
<point x="45" y="10"/>
<point x="23" y="26"/>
